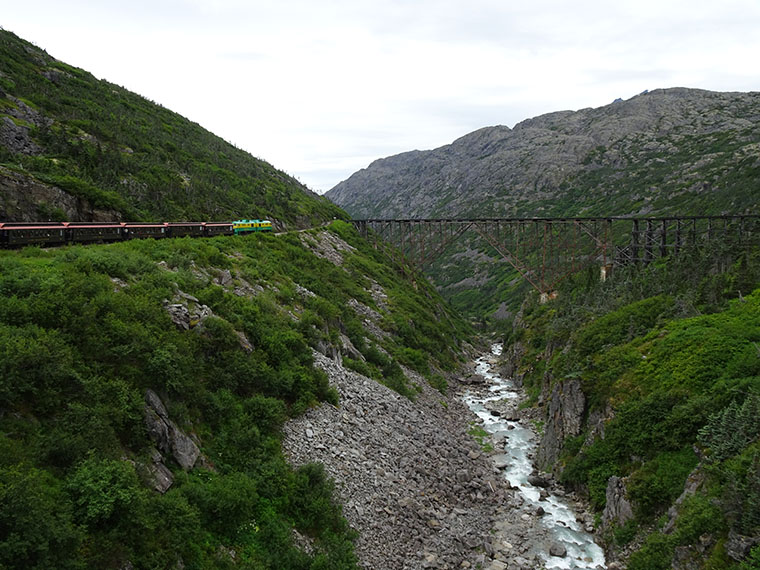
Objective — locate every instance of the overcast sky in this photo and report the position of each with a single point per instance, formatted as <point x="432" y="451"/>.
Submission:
<point x="321" y="88"/>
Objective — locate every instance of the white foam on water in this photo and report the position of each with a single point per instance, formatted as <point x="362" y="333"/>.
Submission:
<point x="519" y="443"/>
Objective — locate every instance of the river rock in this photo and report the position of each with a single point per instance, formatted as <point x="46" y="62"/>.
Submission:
<point x="557" y="549"/>
<point x="538" y="481"/>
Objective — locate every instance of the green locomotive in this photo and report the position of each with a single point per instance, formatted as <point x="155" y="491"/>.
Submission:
<point x="248" y="226"/>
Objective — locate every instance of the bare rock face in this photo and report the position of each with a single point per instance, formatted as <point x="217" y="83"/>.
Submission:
<point x="157" y="475"/>
<point x="25" y="199"/>
<point x="327" y="246"/>
<point x="563" y="419"/>
<point x="618" y="509"/>
<point x="16" y="137"/>
<point x="739" y="546"/>
<point x="168" y="437"/>
<point x="187" y="312"/>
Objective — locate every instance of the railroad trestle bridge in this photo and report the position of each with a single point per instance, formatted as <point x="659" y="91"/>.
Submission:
<point x="544" y="251"/>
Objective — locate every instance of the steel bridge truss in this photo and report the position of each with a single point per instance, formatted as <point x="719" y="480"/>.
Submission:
<point x="544" y="251"/>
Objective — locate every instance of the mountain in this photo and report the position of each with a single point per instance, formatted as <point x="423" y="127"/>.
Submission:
<point x="670" y="150"/>
<point x="73" y="147"/>
<point x="676" y="151"/>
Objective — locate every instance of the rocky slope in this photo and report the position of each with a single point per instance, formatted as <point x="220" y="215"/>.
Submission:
<point x="146" y="384"/>
<point x="678" y="150"/>
<point x="413" y="482"/>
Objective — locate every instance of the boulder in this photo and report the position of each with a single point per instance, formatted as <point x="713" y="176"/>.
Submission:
<point x="538" y="481"/>
<point x="557" y="549"/>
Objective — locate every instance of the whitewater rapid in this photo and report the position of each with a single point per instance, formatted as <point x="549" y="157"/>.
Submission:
<point x="516" y="443"/>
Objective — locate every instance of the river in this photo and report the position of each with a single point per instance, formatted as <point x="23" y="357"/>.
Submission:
<point x="515" y="444"/>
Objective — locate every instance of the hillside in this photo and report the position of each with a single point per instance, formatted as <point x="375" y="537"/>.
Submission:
<point x="676" y="150"/>
<point x="73" y="147"/>
<point x="146" y="386"/>
<point x="648" y="388"/>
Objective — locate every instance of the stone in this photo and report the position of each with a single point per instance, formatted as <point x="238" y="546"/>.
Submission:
<point x="558" y="550"/>
<point x="179" y="314"/>
<point x="245" y="344"/>
<point x="501" y="461"/>
<point x="224" y="278"/>
<point x="739" y="546"/>
<point x="158" y="475"/>
<point x="538" y="481"/>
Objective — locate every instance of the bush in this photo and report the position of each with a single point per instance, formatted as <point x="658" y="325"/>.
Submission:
<point x="104" y="492"/>
<point x="655" y="554"/>
<point x="657" y="483"/>
<point x="225" y="502"/>
<point x="36" y="526"/>
<point x="37" y="368"/>
<point x="311" y="504"/>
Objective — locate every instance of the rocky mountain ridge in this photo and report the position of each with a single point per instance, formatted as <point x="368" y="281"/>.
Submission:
<point x="670" y="150"/>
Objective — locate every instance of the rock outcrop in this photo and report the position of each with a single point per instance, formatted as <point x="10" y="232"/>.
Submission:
<point x="531" y="168"/>
<point x="618" y="509"/>
<point x="169" y="438"/>
<point x="26" y="199"/>
<point x="564" y="418"/>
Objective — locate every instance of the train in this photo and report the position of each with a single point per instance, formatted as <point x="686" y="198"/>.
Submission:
<point x="16" y="234"/>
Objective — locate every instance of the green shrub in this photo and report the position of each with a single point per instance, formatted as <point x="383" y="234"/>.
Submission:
<point x="657" y="483"/>
<point x="37" y="530"/>
<point x="104" y="493"/>
<point x="225" y="503"/>
<point x="655" y="554"/>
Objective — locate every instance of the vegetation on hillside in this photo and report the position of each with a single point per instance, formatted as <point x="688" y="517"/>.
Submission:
<point x="669" y="356"/>
<point x="86" y="331"/>
<point x="122" y="153"/>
